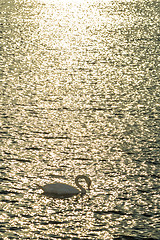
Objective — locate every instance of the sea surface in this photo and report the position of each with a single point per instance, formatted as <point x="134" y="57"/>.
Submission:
<point x="80" y="95"/>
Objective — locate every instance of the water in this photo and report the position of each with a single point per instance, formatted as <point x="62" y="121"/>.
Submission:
<point x="79" y="95"/>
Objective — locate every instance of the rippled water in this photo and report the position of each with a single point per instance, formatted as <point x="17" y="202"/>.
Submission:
<point x="79" y="95"/>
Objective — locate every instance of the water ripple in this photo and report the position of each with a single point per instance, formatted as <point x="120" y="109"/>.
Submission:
<point x="80" y="95"/>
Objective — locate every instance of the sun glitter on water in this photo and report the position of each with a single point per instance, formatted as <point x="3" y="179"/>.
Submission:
<point x="62" y="1"/>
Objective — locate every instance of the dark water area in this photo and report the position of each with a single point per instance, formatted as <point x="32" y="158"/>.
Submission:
<point x="80" y="95"/>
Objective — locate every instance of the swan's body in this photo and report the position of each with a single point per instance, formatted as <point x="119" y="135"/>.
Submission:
<point x="62" y="189"/>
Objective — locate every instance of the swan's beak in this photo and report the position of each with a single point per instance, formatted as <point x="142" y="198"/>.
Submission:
<point x="89" y="187"/>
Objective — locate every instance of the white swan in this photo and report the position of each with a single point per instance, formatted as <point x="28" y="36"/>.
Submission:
<point x="62" y="189"/>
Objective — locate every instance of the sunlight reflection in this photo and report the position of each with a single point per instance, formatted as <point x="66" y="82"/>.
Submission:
<point x="79" y="96"/>
<point x="63" y="1"/>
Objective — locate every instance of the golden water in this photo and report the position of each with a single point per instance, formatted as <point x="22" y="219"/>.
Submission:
<point x="79" y="95"/>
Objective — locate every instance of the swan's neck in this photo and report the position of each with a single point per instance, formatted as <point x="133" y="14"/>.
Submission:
<point x="80" y="187"/>
<point x="78" y="184"/>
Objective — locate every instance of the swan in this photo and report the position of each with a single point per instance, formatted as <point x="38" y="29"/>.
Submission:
<point x="62" y="189"/>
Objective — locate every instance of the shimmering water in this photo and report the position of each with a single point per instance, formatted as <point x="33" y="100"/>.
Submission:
<point x="79" y="95"/>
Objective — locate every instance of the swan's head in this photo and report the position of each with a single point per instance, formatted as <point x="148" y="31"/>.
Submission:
<point x="88" y="180"/>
